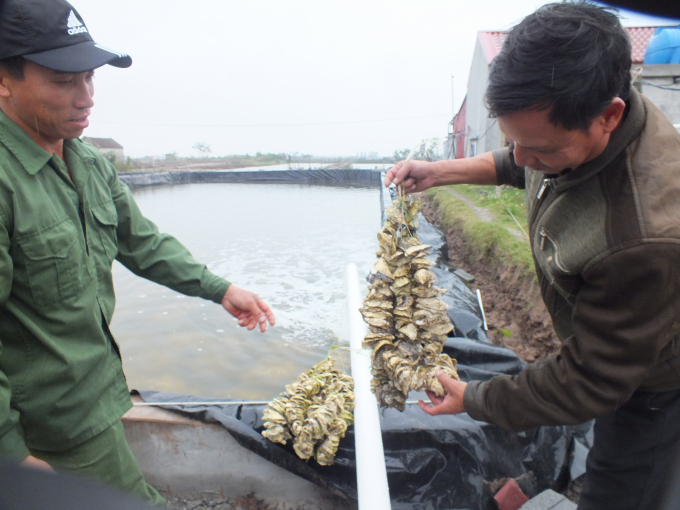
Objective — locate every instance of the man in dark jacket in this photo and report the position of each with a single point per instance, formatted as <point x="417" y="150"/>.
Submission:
<point x="64" y="217"/>
<point x="601" y="166"/>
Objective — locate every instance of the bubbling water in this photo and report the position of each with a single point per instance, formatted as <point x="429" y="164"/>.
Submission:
<point x="289" y="243"/>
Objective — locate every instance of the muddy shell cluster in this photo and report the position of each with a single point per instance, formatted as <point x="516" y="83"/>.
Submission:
<point x="408" y="323"/>
<point x="314" y="411"/>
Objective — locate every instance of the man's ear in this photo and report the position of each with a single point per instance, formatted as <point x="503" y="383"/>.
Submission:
<point x="612" y="115"/>
<point x="5" y="84"/>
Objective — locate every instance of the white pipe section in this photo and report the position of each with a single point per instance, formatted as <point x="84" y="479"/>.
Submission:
<point x="481" y="309"/>
<point x="373" y="491"/>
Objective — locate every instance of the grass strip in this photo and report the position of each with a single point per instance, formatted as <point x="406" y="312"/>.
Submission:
<point x="489" y="242"/>
<point x="498" y="200"/>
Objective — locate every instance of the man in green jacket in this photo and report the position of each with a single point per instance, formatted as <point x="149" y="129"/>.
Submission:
<point x="601" y="166"/>
<point x="64" y="217"/>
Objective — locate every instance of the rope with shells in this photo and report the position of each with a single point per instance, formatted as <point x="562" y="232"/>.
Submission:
<point x="408" y="323"/>
<point x="314" y="411"/>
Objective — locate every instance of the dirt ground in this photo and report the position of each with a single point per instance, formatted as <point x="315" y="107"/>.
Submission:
<point x="515" y="313"/>
<point x="217" y="502"/>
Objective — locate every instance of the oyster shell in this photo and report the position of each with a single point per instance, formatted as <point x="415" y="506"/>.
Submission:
<point x="424" y="276"/>
<point x="431" y="303"/>
<point x="414" y="251"/>
<point x="381" y="271"/>
<point x="386" y="304"/>
<point x="427" y="292"/>
<point x="409" y="330"/>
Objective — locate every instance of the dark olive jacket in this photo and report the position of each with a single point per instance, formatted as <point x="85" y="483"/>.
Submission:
<point x="606" y="244"/>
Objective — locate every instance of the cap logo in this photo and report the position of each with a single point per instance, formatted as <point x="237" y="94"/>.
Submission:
<point x="74" y="25"/>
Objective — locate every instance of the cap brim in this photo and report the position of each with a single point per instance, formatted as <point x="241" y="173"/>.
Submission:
<point x="79" y="58"/>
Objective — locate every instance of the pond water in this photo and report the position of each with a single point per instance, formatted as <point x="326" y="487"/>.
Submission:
<point x="289" y="243"/>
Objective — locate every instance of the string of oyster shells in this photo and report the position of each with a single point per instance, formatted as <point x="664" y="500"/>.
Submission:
<point x="314" y="411"/>
<point x="408" y="323"/>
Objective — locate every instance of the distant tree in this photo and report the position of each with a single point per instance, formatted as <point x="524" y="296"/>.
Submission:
<point x="203" y="148"/>
<point x="427" y="150"/>
<point x="401" y="154"/>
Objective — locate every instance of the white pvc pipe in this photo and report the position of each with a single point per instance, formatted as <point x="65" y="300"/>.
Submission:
<point x="481" y="309"/>
<point x="373" y="491"/>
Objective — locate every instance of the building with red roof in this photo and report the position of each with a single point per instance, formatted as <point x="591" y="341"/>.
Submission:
<point x="472" y="132"/>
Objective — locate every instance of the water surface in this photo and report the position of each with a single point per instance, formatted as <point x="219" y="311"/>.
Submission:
<point x="289" y="243"/>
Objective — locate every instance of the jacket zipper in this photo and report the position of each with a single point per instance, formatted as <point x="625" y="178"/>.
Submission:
<point x="539" y="197"/>
<point x="545" y="184"/>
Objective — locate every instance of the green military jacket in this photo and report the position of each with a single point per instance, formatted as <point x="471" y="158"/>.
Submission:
<point x="62" y="223"/>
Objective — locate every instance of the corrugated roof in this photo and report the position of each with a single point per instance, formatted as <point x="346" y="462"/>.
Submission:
<point x="492" y="42"/>
<point x="639" y="39"/>
<point x="103" y="143"/>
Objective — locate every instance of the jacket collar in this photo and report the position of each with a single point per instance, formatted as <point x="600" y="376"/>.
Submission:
<point x="31" y="156"/>
<point x="627" y="132"/>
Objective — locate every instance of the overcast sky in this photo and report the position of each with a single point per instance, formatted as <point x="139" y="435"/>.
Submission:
<point x="329" y="78"/>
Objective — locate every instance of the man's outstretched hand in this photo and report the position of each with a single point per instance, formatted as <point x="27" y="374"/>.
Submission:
<point x="451" y="402"/>
<point x="248" y="308"/>
<point x="413" y="175"/>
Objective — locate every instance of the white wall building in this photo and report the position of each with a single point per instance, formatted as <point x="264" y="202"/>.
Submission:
<point x="108" y="147"/>
<point x="473" y="132"/>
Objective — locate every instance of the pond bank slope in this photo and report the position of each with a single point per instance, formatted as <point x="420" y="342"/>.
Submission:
<point x="503" y="270"/>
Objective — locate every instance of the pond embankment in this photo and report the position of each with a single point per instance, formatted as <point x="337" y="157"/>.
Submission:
<point x="501" y="263"/>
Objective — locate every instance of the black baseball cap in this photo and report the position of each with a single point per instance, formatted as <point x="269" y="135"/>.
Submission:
<point x="52" y="34"/>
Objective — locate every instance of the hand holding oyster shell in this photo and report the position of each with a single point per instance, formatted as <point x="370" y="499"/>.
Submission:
<point x="451" y="403"/>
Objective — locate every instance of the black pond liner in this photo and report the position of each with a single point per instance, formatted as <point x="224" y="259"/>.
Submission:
<point x="330" y="177"/>
<point x="441" y="462"/>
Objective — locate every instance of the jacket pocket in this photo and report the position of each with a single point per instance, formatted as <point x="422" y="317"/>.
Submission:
<point x="549" y="254"/>
<point x="107" y="222"/>
<point x="53" y="272"/>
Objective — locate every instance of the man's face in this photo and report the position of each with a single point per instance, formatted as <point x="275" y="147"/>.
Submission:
<point x="542" y="146"/>
<point x="50" y="106"/>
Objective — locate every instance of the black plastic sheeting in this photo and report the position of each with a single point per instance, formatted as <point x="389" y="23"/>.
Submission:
<point x="325" y="177"/>
<point x="463" y="305"/>
<point x="442" y="462"/>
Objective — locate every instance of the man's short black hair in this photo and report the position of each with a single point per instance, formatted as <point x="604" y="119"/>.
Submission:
<point x="14" y="66"/>
<point x="571" y="58"/>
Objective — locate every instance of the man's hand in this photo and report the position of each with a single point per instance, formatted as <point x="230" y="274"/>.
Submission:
<point x="421" y="175"/>
<point x="248" y="308"/>
<point x="451" y="403"/>
<point x="413" y="175"/>
<point x="35" y="463"/>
